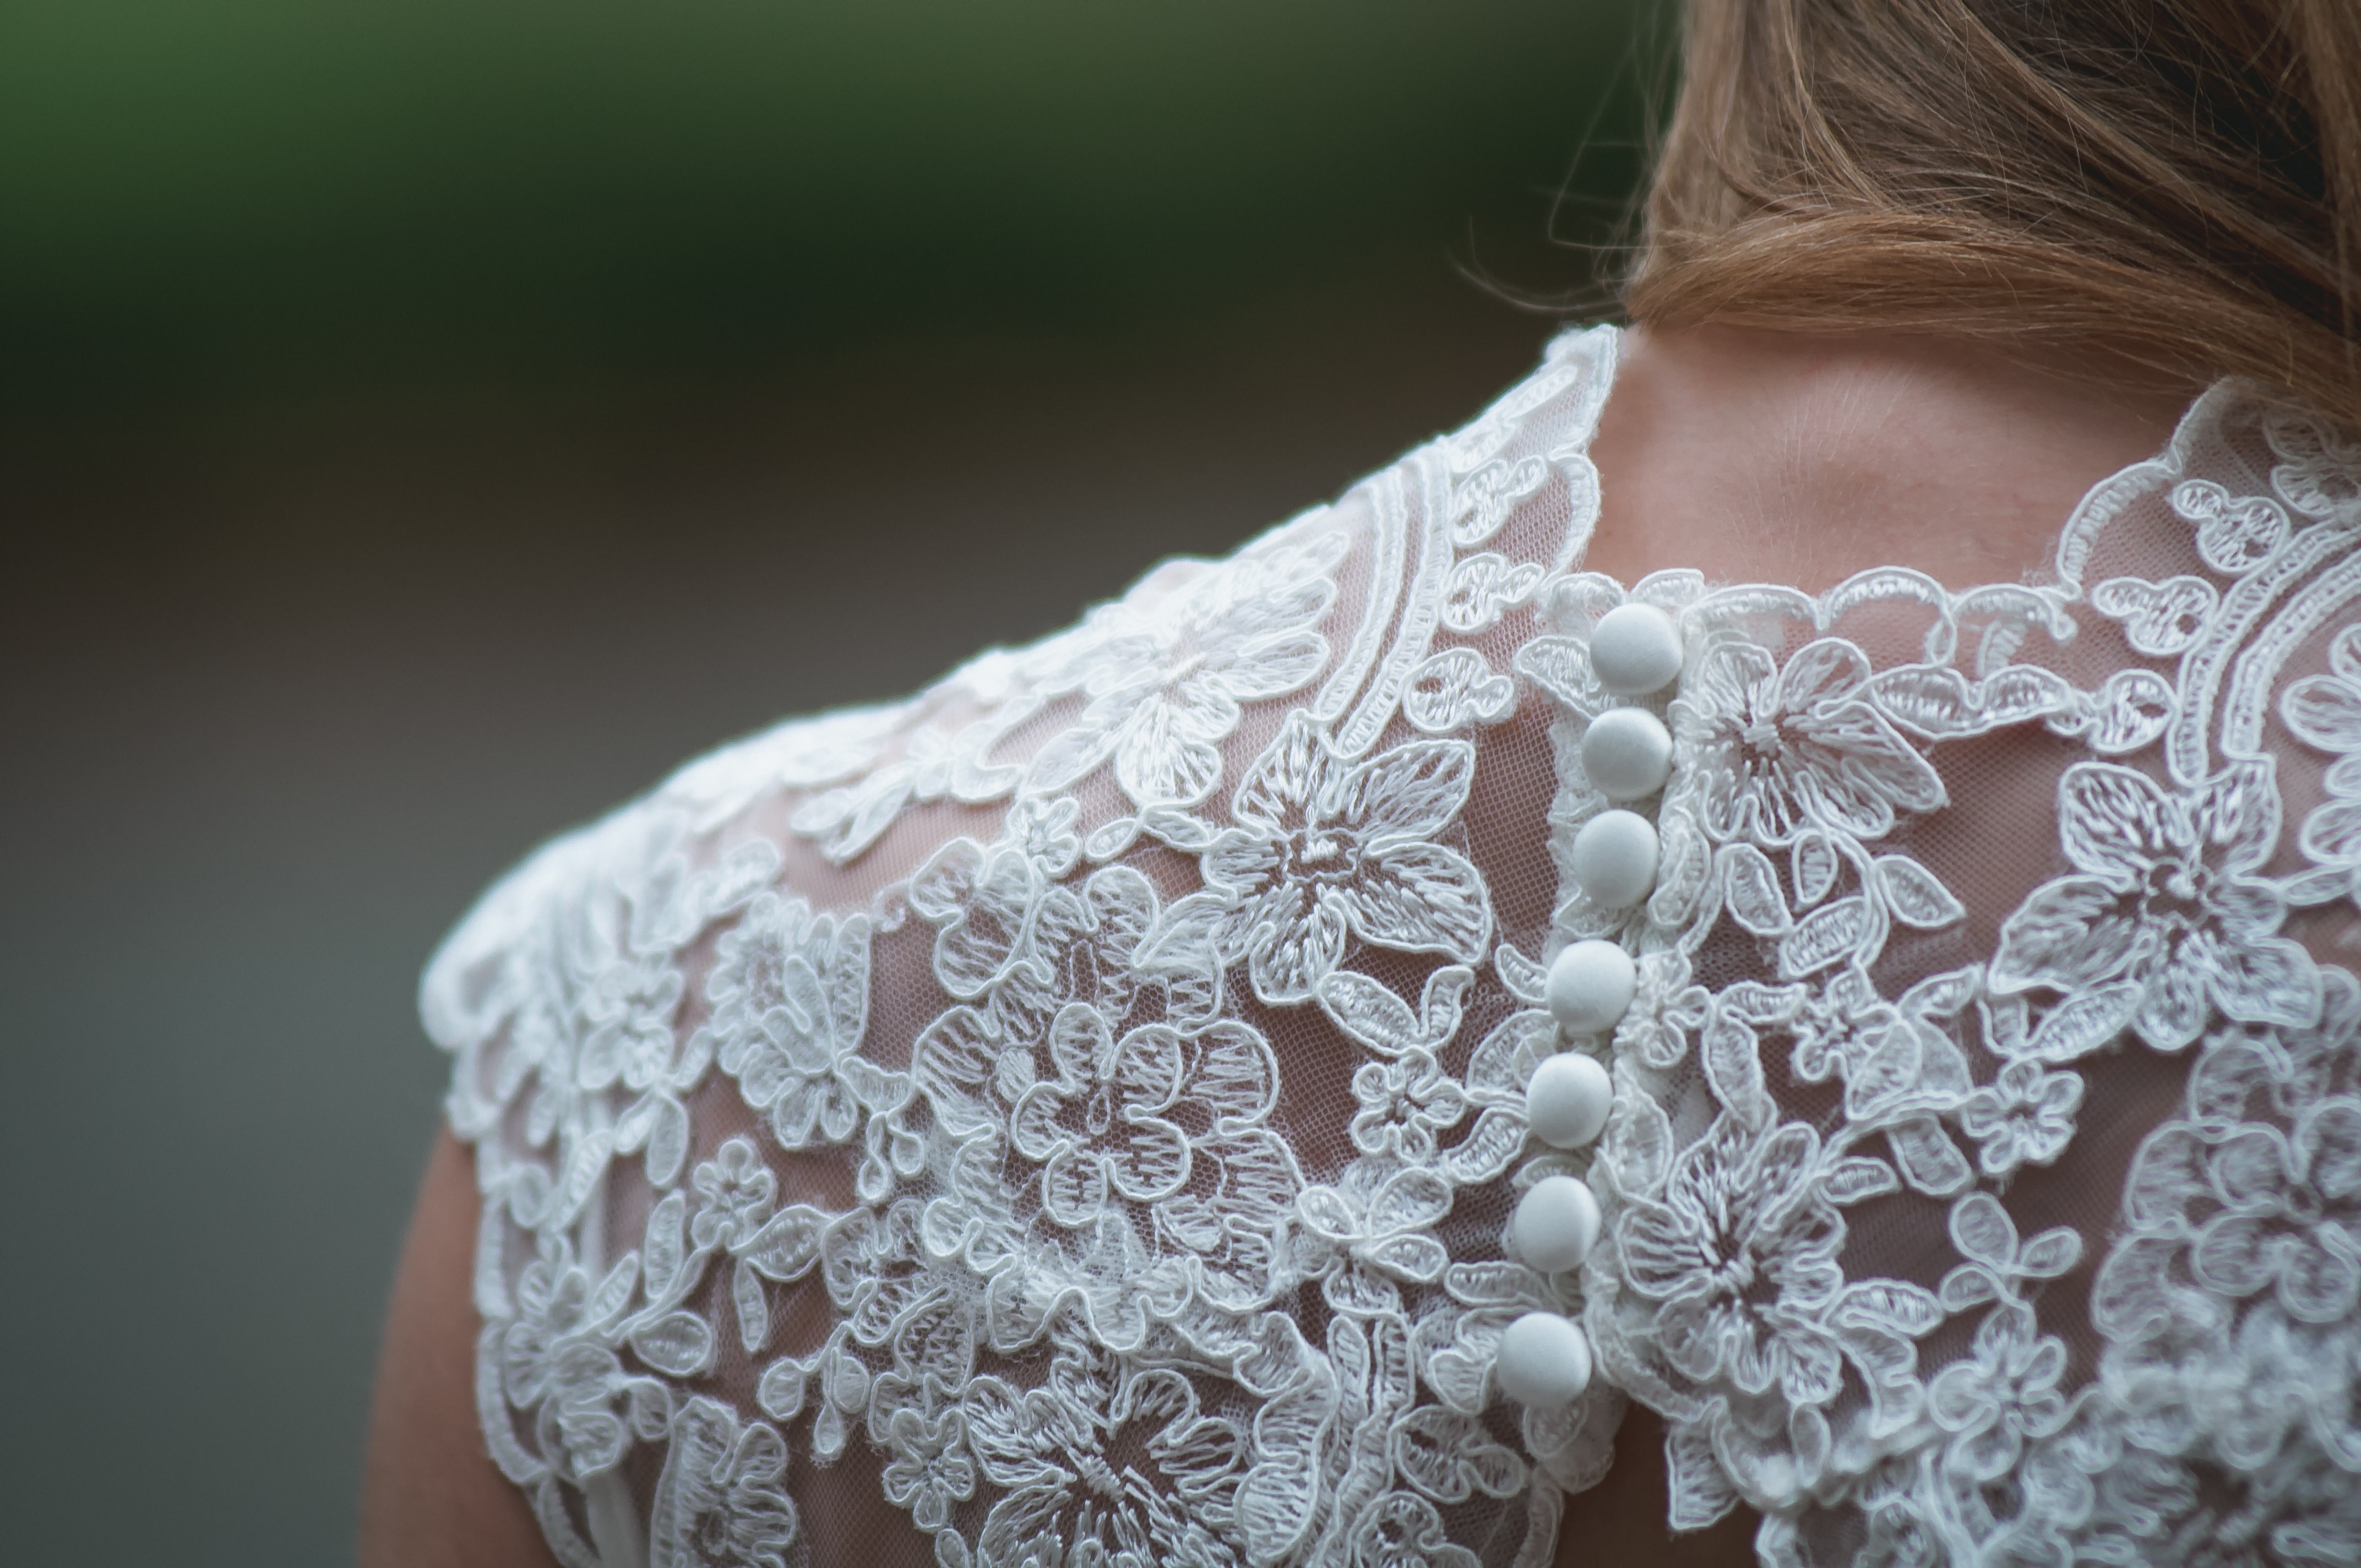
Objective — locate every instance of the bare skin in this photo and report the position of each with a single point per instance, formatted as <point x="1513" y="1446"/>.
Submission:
<point x="1752" y="455"/>
<point x="1782" y="458"/>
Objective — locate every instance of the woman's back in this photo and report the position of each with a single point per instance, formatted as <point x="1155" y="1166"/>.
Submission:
<point x="1099" y="1088"/>
<point x="1753" y="944"/>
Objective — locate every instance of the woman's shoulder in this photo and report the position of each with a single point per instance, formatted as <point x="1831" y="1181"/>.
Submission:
<point x="1398" y="606"/>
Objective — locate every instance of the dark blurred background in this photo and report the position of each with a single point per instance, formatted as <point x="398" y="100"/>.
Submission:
<point x="423" y="426"/>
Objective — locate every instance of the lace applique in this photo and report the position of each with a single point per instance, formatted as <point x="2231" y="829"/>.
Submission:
<point x="1104" y="1092"/>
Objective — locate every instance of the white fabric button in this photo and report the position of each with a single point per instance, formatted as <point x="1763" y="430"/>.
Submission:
<point x="1545" y="1361"/>
<point x="1615" y="858"/>
<point x="1567" y="1102"/>
<point x="1555" y="1224"/>
<point x="1627" y="752"/>
<point x="1635" y="649"/>
<point x="1590" y="986"/>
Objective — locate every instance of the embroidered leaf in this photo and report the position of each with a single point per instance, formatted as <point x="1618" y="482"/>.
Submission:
<point x="1642" y="1146"/>
<point x="667" y="1141"/>
<point x="1910" y="1310"/>
<point x="1813" y="865"/>
<point x="1526" y="981"/>
<point x="1928" y="700"/>
<point x="1461" y="1377"/>
<point x="1753" y="895"/>
<point x="1701" y="1492"/>
<point x="1443" y="1003"/>
<point x="1421" y="1257"/>
<point x="1495" y="1285"/>
<point x="2082" y="1023"/>
<point x="678" y="1344"/>
<point x="1851" y="1180"/>
<point x="1966" y="1287"/>
<point x="1369" y="1012"/>
<point x="613" y="1292"/>
<point x="1916" y="895"/>
<point x="781" y="1391"/>
<point x="1456" y="689"/>
<point x="788" y="1246"/>
<point x="1762" y="1005"/>
<point x="662" y="1251"/>
<point x="1928" y="1158"/>
<point x="1733" y="1066"/>
<point x="1561" y="666"/>
<point x="827" y="1434"/>
<point x="1487" y="1149"/>
<point x="2022" y="692"/>
<point x="2050" y="1253"/>
<point x="1983" y="1231"/>
<point x="1504" y="1062"/>
<point x="753" y="1306"/>
<point x="1833" y="932"/>
<point x="1943" y="995"/>
<point x="584" y="1169"/>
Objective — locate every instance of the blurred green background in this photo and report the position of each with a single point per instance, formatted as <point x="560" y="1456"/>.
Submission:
<point x="423" y="426"/>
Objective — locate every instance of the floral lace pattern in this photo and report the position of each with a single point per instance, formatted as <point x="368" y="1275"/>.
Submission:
<point x="1093" y="1094"/>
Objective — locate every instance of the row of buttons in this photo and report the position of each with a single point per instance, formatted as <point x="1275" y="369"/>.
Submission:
<point x="1627" y="753"/>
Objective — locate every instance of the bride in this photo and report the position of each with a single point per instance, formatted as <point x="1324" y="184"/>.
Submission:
<point x="1751" y="953"/>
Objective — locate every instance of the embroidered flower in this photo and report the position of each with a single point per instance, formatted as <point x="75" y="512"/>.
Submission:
<point x="735" y="1195"/>
<point x="1402" y="1530"/>
<point x="627" y="1010"/>
<point x="2275" y="1210"/>
<point x="1324" y="849"/>
<point x="1839" y="1023"/>
<point x="1095" y="1126"/>
<point x="790" y="994"/>
<point x="930" y="1469"/>
<point x="555" y="1359"/>
<point x="1769" y="750"/>
<point x="722" y="1501"/>
<point x="1112" y="1465"/>
<point x="2005" y="1392"/>
<point x="1667" y="1008"/>
<point x="1741" y="1250"/>
<point x="2164" y="919"/>
<point x="2024" y="1116"/>
<point x="1373" y="1226"/>
<point x="1164" y="688"/>
<point x="1404" y="1104"/>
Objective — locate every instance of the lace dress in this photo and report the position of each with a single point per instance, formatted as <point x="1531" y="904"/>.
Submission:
<point x="1208" y="1089"/>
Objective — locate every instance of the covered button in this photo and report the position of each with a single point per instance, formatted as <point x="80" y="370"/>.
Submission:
<point x="1555" y="1223"/>
<point x="1567" y="1102"/>
<point x="1545" y="1361"/>
<point x="1590" y="986"/>
<point x="1615" y="858"/>
<point x="1627" y="752"/>
<point x="1635" y="649"/>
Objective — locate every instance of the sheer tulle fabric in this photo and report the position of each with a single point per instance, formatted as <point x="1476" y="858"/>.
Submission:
<point x="1074" y="1116"/>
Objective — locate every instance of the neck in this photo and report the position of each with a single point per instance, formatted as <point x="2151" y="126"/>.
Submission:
<point x="1803" y="458"/>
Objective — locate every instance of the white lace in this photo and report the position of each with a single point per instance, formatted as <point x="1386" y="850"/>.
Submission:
<point x="1085" y="1104"/>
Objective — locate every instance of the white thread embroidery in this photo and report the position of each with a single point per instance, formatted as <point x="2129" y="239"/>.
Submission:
<point x="1122" y="1145"/>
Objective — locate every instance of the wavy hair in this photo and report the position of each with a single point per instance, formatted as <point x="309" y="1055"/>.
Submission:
<point x="2177" y="179"/>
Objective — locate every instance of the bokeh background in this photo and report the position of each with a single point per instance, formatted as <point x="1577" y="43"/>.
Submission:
<point x="423" y="425"/>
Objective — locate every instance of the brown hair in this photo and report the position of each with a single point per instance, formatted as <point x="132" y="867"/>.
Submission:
<point x="2178" y="179"/>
